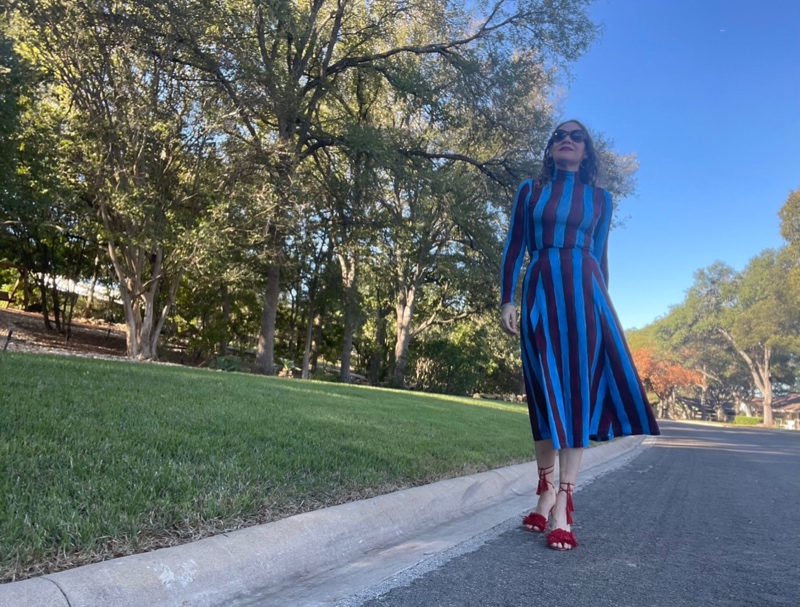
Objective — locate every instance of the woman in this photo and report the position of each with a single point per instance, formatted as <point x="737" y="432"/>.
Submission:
<point x="580" y="380"/>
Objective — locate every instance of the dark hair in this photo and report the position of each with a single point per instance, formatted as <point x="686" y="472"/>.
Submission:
<point x="589" y="171"/>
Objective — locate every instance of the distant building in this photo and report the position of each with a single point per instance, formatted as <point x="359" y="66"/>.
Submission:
<point x="785" y="408"/>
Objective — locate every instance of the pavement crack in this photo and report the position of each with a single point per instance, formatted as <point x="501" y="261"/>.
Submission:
<point x="60" y="589"/>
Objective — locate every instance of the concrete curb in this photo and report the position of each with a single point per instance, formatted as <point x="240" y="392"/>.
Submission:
<point x="218" y="570"/>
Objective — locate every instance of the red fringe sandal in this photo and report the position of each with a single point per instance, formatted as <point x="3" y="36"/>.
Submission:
<point x="562" y="536"/>
<point x="536" y="522"/>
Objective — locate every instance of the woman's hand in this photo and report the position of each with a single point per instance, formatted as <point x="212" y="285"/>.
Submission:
<point x="508" y="318"/>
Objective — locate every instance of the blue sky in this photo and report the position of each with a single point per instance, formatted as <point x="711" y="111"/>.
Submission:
<point x="707" y="94"/>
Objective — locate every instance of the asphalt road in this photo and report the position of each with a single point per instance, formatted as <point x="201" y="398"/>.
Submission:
<point x="706" y="516"/>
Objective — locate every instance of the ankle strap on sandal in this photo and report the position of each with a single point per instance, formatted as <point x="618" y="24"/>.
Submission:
<point x="567" y="488"/>
<point x="543" y="482"/>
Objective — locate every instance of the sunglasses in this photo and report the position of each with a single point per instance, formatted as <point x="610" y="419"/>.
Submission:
<point x="578" y="136"/>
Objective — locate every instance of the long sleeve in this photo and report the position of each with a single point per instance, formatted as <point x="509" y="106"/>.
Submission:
<point x="514" y="250"/>
<point x="603" y="228"/>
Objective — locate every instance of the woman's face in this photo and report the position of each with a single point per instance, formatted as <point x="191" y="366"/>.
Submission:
<point x="566" y="152"/>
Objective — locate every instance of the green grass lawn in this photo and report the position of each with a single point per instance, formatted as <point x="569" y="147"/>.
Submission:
<point x="105" y="458"/>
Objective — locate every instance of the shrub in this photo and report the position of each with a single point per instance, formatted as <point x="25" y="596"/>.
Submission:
<point x="746" y="420"/>
<point x="226" y="363"/>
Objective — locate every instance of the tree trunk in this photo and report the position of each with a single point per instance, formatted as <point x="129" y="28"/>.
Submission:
<point x="142" y="331"/>
<point x="309" y="335"/>
<point x="767" y="389"/>
<point x="307" y="348"/>
<point x="351" y="313"/>
<point x="14" y="289"/>
<point x="147" y="347"/>
<point x="89" y="310"/>
<point x="45" y="310"/>
<point x="347" y="351"/>
<point x="405" y="312"/>
<point x="87" y="313"/>
<point x="226" y="318"/>
<point x="153" y="337"/>
<point x="130" y="310"/>
<point x="265" y="357"/>
<point x="70" y="305"/>
<point x="56" y="303"/>
<point x="379" y="351"/>
<point x="26" y="289"/>
<point x="704" y="398"/>
<point x="127" y="262"/>
<point x="768" y="418"/>
<point x="760" y="372"/>
<point x="316" y="340"/>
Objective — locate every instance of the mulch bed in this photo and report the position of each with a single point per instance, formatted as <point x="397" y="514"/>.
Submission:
<point x="87" y="338"/>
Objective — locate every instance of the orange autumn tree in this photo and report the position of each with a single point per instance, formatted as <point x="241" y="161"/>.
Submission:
<point x="664" y="377"/>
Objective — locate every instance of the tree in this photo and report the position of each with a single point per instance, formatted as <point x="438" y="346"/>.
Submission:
<point x="12" y="84"/>
<point x="664" y="377"/>
<point x="790" y="219"/>
<point x="723" y="379"/>
<point x="278" y="65"/>
<point x="790" y="230"/>
<point x="42" y="231"/>
<point x="756" y="312"/>
<point x="137" y="144"/>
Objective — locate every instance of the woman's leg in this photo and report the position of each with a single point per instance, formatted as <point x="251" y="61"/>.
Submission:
<point x="569" y="464"/>
<point x="546" y="461"/>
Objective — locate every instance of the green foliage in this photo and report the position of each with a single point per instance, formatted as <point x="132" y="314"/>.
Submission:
<point x="790" y="230"/>
<point x="8" y="277"/>
<point x="42" y="224"/>
<point x="12" y="83"/>
<point x="226" y="363"/>
<point x="790" y="219"/>
<point x="683" y="338"/>
<point x="132" y="147"/>
<point x="618" y="170"/>
<point x="214" y="312"/>
<point x="323" y="375"/>
<point x="739" y="330"/>
<point x="744" y="420"/>
<point x="763" y="310"/>
<point x="474" y="356"/>
<point x="368" y="156"/>
<point x="443" y="367"/>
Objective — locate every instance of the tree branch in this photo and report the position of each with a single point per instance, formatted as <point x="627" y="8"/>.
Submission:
<point x="760" y="375"/>
<point x="434" y="321"/>
<point x="442" y="48"/>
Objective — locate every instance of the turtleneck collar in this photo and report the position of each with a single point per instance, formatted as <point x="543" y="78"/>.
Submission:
<point x="562" y="175"/>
